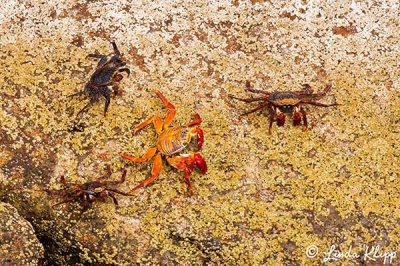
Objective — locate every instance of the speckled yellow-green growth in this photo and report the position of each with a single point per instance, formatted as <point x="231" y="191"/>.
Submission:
<point x="265" y="198"/>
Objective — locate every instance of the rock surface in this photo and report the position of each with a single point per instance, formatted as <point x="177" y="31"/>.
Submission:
<point x="18" y="242"/>
<point x="265" y="198"/>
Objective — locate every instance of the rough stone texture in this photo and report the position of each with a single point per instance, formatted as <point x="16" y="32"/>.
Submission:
<point x="18" y="243"/>
<point x="266" y="198"/>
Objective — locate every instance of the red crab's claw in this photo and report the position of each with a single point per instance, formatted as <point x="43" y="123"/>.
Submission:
<point x="296" y="117"/>
<point x="200" y="162"/>
<point x="200" y="137"/>
<point x="280" y="120"/>
<point x="118" y="78"/>
<point x="126" y="70"/>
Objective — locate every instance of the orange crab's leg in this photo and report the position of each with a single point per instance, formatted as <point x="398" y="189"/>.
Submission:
<point x="171" y="109"/>
<point x="146" y="157"/>
<point x="199" y="132"/>
<point x="156" y="120"/>
<point x="142" y="125"/>
<point x="157" y="168"/>
<point x="196" y="121"/>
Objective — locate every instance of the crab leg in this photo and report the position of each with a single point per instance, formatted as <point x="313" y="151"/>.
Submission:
<point x="171" y="109"/>
<point x="110" y="183"/>
<point x="119" y="192"/>
<point x="64" y="201"/>
<point x="248" y="100"/>
<point x="102" y="61"/>
<point x="250" y="89"/>
<point x="94" y="99"/>
<point x="271" y="121"/>
<point x="76" y="94"/>
<point x="63" y="181"/>
<point x="71" y="198"/>
<point x="146" y="157"/>
<point x="196" y="121"/>
<point x="156" y="120"/>
<point x="322" y="94"/>
<point x="97" y="56"/>
<point x="307" y="90"/>
<point x="157" y="168"/>
<point x="113" y="198"/>
<point x="261" y="106"/>
<point x="68" y="184"/>
<point x="321" y="104"/>
<point x="108" y="100"/>
<point x="116" y="51"/>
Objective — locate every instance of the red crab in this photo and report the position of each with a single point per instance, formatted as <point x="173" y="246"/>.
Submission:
<point x="282" y="103"/>
<point x="90" y="192"/>
<point x="171" y="141"/>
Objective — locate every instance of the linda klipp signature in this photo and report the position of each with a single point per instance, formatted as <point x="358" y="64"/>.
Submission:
<point x="368" y="253"/>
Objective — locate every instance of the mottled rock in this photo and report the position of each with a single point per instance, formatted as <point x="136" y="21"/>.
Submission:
<point x="265" y="198"/>
<point x="18" y="243"/>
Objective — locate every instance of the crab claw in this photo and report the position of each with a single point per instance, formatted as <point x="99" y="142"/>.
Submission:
<point x="126" y="70"/>
<point x="296" y="117"/>
<point x="118" y="78"/>
<point x="200" y="137"/>
<point x="280" y="120"/>
<point x="200" y="162"/>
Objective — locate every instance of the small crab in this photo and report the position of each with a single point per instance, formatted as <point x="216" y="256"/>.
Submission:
<point x="91" y="191"/>
<point x="282" y="103"/>
<point x="105" y="78"/>
<point x="171" y="141"/>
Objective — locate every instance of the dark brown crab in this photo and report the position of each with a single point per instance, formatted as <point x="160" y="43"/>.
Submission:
<point x="90" y="192"/>
<point x="105" y="79"/>
<point x="284" y="103"/>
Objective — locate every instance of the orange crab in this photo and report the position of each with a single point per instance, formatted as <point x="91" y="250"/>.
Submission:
<point x="171" y="141"/>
